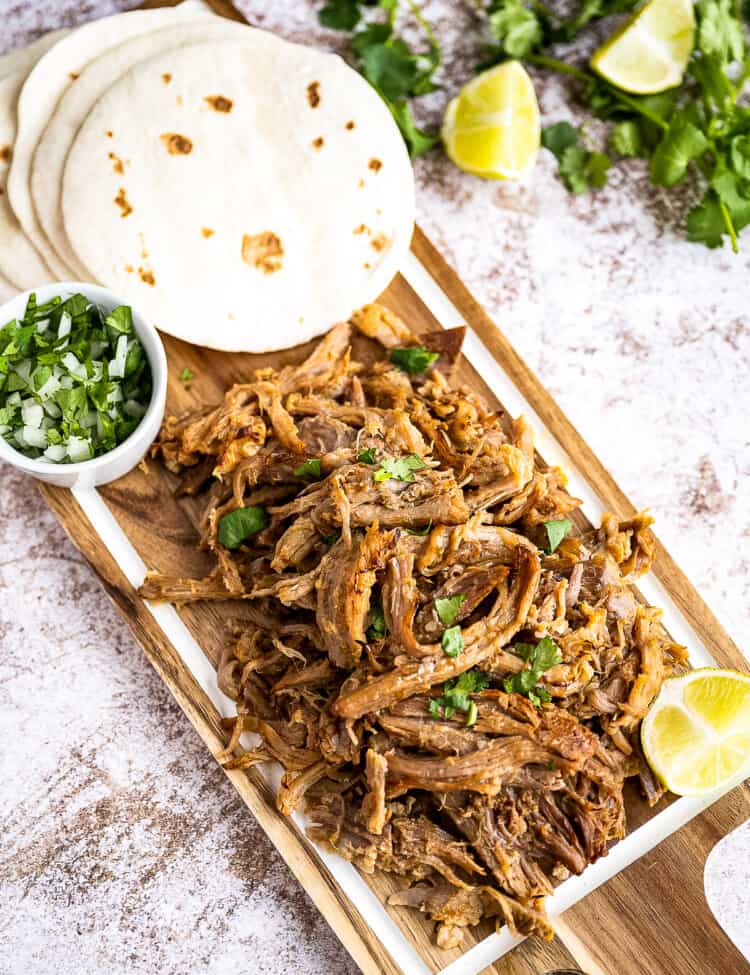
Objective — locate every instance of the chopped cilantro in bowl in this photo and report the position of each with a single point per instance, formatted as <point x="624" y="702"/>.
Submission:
<point x="75" y="380"/>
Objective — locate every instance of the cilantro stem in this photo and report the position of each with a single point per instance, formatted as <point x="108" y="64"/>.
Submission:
<point x="729" y="224"/>
<point x="544" y="61"/>
<point x="544" y="10"/>
<point x="426" y="27"/>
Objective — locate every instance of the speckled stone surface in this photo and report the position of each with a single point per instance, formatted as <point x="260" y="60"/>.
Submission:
<point x="123" y="848"/>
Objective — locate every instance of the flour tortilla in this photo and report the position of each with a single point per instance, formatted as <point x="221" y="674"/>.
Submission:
<point x="76" y="103"/>
<point x="24" y="58"/>
<point x="46" y="83"/>
<point x="20" y="262"/>
<point x="255" y="239"/>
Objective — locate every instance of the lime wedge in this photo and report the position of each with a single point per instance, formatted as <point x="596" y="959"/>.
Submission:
<point x="491" y="128"/>
<point x="650" y="52"/>
<point x="696" y="735"/>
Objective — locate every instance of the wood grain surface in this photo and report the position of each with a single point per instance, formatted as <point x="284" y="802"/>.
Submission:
<point x="651" y="918"/>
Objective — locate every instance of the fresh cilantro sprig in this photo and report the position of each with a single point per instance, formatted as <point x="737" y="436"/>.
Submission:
<point x="538" y="658"/>
<point x="395" y="70"/>
<point x="309" y="470"/>
<point x="455" y="697"/>
<point x="399" y="468"/>
<point x="414" y="360"/>
<point x="237" y="526"/>
<point x="700" y="128"/>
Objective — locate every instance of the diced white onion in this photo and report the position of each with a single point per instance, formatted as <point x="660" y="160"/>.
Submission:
<point x="42" y="325"/>
<point x="3" y="429"/>
<point x="32" y="414"/>
<point x="52" y="409"/>
<point x="14" y="399"/>
<point x="34" y="437"/>
<point x="97" y="348"/>
<point x="48" y="388"/>
<point x="63" y="328"/>
<point x="66" y="382"/>
<point x="78" y="449"/>
<point x="115" y="394"/>
<point x="117" y="365"/>
<point x="23" y="369"/>
<point x="89" y="421"/>
<point x="56" y="452"/>
<point x="133" y="408"/>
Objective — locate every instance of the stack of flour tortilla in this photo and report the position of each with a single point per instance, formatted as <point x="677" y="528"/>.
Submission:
<point x="243" y="192"/>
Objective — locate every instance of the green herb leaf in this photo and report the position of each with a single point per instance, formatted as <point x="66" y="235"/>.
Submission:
<point x="456" y="693"/>
<point x="452" y="641"/>
<point x="580" y="168"/>
<point x="557" y="530"/>
<point x="399" y="468"/>
<point x="518" y="29"/>
<point x="719" y="32"/>
<point x="340" y="14"/>
<point x="626" y="138"/>
<point x="377" y="628"/>
<point x="681" y="143"/>
<point x="539" y="658"/>
<point x="471" y="714"/>
<point x="705" y="222"/>
<point x="187" y="374"/>
<point x="310" y="469"/>
<point x="421" y="532"/>
<point x="240" y="524"/>
<point x="413" y="360"/>
<point x="418" y="142"/>
<point x="448" y="607"/>
<point x="366" y="456"/>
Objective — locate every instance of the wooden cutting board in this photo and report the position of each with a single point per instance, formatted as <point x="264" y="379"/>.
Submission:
<point x="650" y="918"/>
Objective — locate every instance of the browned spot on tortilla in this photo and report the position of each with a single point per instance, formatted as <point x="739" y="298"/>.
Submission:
<point x="375" y="165"/>
<point x="5" y="153"/>
<point x="318" y="143"/>
<point x="361" y="229"/>
<point x="230" y="316"/>
<point x="263" y="251"/>
<point x="109" y="133"/>
<point x="207" y="232"/>
<point x="378" y="242"/>
<point x="360" y="183"/>
<point x="367" y="266"/>
<point x="177" y="145"/>
<point x="117" y="165"/>
<point x="313" y="94"/>
<point x="220" y="103"/>
<point x="179" y="100"/>
<point x="122" y="202"/>
<point x="73" y="75"/>
<point x="166" y="77"/>
<point x="349" y="125"/>
<point x="129" y="268"/>
<point x="147" y="276"/>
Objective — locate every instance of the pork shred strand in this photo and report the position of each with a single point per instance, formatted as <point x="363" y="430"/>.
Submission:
<point x="335" y="657"/>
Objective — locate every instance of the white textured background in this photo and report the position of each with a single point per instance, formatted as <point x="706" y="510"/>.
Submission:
<point x="123" y="847"/>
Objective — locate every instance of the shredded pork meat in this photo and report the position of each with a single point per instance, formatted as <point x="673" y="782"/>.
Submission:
<point x="337" y="658"/>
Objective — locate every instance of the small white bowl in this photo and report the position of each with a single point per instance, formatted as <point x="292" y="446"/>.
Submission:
<point x="124" y="457"/>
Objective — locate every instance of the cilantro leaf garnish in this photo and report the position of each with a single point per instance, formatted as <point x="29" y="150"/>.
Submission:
<point x="377" y="628"/>
<point x="455" y="696"/>
<point x="557" y="530"/>
<point x="421" y="531"/>
<point x="580" y="168"/>
<point x="238" y="525"/>
<point x="366" y="456"/>
<point x="413" y="360"/>
<point x="447" y="608"/>
<point x="187" y="374"/>
<point x="452" y="641"/>
<point x="399" y="468"/>
<point x="539" y="658"/>
<point x="309" y="470"/>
